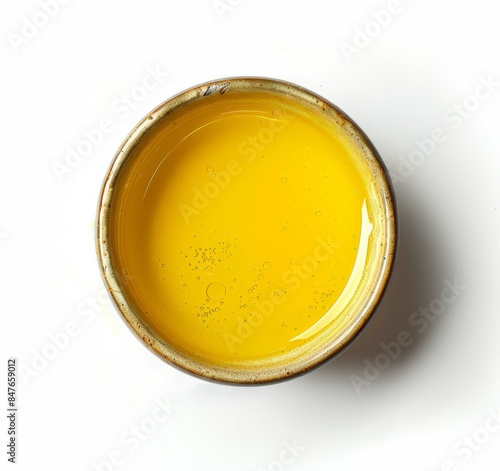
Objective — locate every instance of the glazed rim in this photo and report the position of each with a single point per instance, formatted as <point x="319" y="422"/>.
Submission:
<point x="256" y="372"/>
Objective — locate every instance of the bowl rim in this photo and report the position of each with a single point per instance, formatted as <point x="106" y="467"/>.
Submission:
<point x="218" y="373"/>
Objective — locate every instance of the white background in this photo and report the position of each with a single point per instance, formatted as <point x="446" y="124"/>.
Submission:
<point x="79" y="402"/>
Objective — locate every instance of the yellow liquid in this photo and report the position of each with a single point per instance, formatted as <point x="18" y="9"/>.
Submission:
<point x="242" y="229"/>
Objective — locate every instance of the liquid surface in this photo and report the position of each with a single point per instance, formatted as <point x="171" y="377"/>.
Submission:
<point x="243" y="230"/>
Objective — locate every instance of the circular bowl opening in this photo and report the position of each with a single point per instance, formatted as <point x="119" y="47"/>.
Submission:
<point x="246" y="230"/>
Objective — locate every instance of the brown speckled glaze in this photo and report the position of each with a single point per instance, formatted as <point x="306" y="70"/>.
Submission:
<point x="257" y="373"/>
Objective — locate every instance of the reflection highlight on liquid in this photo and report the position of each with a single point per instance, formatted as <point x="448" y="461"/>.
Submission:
<point x="352" y="284"/>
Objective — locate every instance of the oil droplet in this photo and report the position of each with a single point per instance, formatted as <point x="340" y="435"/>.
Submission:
<point x="293" y="261"/>
<point x="210" y="169"/>
<point x="266" y="265"/>
<point x="318" y="213"/>
<point x="208" y="270"/>
<point x="275" y="113"/>
<point x="216" y="291"/>
<point x="261" y="122"/>
<point x="261" y="277"/>
<point x="163" y="265"/>
<point x="284" y="179"/>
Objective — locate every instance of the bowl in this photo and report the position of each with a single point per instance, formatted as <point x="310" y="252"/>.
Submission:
<point x="246" y="230"/>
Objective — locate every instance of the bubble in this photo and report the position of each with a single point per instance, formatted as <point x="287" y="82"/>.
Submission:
<point x="276" y="113"/>
<point x="163" y="265"/>
<point x="184" y="285"/>
<point x="210" y="169"/>
<point x="216" y="291"/>
<point x="261" y="122"/>
<point x="318" y="213"/>
<point x="208" y="270"/>
<point x="284" y="179"/>
<point x="266" y="265"/>
<point x="261" y="277"/>
<point x="293" y="261"/>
